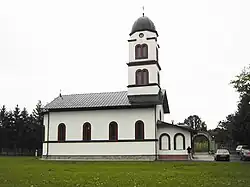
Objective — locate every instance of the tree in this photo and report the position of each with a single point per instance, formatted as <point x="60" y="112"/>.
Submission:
<point x="22" y="129"/>
<point x="38" y="113"/>
<point x="242" y="82"/>
<point x="37" y="117"/>
<point x="241" y="128"/>
<point x="19" y="129"/>
<point x="195" y="123"/>
<point x="2" y="113"/>
<point x="237" y="126"/>
<point x="3" y="124"/>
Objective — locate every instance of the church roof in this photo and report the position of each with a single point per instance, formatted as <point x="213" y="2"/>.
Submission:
<point x="143" y="24"/>
<point x="94" y="101"/>
<point x="163" y="123"/>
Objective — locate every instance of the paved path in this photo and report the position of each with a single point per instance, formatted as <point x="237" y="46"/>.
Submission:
<point x="203" y="157"/>
<point x="210" y="158"/>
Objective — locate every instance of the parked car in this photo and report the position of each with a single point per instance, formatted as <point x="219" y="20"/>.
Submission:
<point x="239" y="148"/>
<point x="222" y="154"/>
<point x="245" y="154"/>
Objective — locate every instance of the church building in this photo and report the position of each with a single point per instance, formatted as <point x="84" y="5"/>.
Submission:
<point x="124" y="125"/>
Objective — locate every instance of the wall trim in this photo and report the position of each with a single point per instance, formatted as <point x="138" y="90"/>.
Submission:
<point x="100" y="141"/>
<point x="132" y="40"/>
<point x="131" y="106"/>
<point x="143" y="63"/>
<point x="172" y="157"/>
<point x="152" y="38"/>
<point x="150" y="84"/>
<point x="151" y="157"/>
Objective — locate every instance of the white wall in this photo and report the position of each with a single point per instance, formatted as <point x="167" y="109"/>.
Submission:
<point x="101" y="148"/>
<point x="152" y="44"/>
<point x="152" y="73"/>
<point x="146" y="90"/>
<point x="171" y="131"/>
<point x="99" y="120"/>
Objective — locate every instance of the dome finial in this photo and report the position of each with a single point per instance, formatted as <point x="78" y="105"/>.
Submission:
<point x="143" y="11"/>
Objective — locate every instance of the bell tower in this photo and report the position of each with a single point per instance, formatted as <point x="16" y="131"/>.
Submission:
<point x="143" y="66"/>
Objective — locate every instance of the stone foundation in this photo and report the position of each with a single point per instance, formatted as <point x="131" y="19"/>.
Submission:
<point x="100" y="157"/>
<point x="172" y="157"/>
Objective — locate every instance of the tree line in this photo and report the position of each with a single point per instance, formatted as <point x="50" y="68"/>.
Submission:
<point x="235" y="129"/>
<point x="21" y="132"/>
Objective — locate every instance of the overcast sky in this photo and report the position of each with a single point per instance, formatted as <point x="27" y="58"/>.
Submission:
<point x="81" y="46"/>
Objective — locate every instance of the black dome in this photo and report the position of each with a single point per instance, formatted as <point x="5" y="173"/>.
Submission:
<point x="143" y="24"/>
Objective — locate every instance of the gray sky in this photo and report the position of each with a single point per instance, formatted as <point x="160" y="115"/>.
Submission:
<point x="81" y="46"/>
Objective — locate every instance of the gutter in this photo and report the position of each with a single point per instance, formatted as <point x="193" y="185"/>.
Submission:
<point x="48" y="137"/>
<point x="155" y="135"/>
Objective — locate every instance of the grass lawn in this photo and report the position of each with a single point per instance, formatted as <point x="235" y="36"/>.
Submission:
<point x="30" y="172"/>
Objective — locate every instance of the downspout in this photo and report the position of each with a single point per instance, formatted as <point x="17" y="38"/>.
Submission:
<point x="48" y="137"/>
<point x="155" y="135"/>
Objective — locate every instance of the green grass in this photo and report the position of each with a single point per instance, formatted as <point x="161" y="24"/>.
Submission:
<point x="30" y="172"/>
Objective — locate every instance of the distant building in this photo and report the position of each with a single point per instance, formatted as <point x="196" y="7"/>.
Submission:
<point x="125" y="125"/>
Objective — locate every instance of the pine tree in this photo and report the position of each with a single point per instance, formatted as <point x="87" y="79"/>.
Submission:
<point x="24" y="116"/>
<point x="37" y="113"/>
<point x="3" y="116"/>
<point x="16" y="113"/>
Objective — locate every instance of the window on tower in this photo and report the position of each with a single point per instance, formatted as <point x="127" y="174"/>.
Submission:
<point x="145" y="76"/>
<point x="141" y="77"/>
<point x="138" y="51"/>
<point x="144" y="51"/>
<point x="138" y="77"/>
<point x="141" y="51"/>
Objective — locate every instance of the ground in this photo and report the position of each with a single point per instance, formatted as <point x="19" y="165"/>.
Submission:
<point x="31" y="172"/>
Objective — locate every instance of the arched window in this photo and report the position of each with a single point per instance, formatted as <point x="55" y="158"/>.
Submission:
<point x="138" y="77"/>
<point x="61" y="132"/>
<point x="86" y="131"/>
<point x="141" y="51"/>
<point x="141" y="77"/>
<point x="113" y="131"/>
<point x="144" y="51"/>
<point x="138" y="52"/>
<point x="139" y="130"/>
<point x="165" y="142"/>
<point x="179" y="141"/>
<point x="145" y="77"/>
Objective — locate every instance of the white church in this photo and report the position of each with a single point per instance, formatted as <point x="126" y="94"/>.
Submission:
<point x="125" y="125"/>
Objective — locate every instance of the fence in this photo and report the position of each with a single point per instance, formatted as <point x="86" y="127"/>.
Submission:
<point x="20" y="152"/>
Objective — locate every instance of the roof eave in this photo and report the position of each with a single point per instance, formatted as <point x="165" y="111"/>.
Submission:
<point x="98" y="108"/>
<point x="172" y="125"/>
<point x="140" y="30"/>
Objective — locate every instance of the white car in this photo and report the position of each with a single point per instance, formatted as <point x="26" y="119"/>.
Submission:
<point x="245" y="154"/>
<point x="239" y="148"/>
<point x="222" y="154"/>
